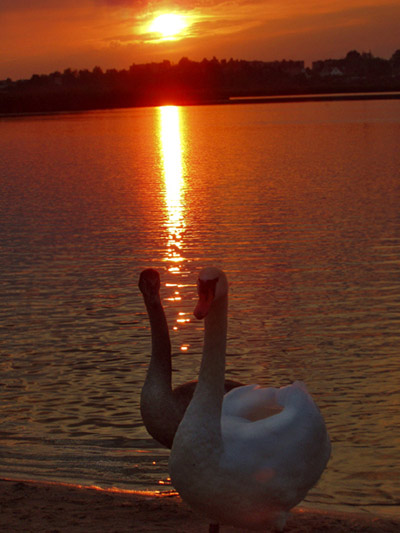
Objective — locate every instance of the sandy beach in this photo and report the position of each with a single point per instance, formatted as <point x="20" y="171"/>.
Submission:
<point x="33" y="507"/>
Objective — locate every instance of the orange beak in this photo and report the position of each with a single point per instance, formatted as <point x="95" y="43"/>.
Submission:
<point x="203" y="305"/>
<point x="206" y="290"/>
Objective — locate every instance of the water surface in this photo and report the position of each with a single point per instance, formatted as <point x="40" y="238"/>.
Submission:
<point x="299" y="203"/>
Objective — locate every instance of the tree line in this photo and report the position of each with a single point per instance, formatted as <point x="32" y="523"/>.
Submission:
<point x="191" y="82"/>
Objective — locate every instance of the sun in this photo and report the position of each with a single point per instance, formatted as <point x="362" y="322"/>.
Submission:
<point x="169" y="25"/>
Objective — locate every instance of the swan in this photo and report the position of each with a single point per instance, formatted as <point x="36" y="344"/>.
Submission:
<point x="246" y="458"/>
<point x="162" y="408"/>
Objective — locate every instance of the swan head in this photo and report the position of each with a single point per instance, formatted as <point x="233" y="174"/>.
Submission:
<point x="149" y="284"/>
<point x="212" y="285"/>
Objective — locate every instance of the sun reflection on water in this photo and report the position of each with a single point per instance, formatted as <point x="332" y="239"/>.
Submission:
<point x="174" y="182"/>
<point x="171" y="149"/>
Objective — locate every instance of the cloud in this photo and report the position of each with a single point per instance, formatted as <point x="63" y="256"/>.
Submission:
<point x="133" y="4"/>
<point x="112" y="33"/>
<point x="38" y="5"/>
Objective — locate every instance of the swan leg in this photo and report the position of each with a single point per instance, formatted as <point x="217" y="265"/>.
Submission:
<point x="214" y="528"/>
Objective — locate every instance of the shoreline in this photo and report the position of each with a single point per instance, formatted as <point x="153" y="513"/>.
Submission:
<point x="325" y="97"/>
<point x="234" y="100"/>
<point x="43" y="506"/>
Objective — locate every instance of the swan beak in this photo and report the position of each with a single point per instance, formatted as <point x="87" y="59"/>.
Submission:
<point x="149" y="285"/>
<point x="203" y="307"/>
<point x="206" y="290"/>
<point x="149" y="281"/>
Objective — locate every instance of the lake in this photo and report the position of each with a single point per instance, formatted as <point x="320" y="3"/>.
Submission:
<point x="298" y="203"/>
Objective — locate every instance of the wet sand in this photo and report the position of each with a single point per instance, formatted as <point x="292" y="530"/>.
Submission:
<point x="27" y="506"/>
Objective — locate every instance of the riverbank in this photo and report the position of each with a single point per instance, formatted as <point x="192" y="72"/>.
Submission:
<point x="272" y="99"/>
<point x="297" y="98"/>
<point x="60" y="508"/>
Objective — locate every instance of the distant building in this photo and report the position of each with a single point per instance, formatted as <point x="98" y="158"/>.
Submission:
<point x="292" y="68"/>
<point x="289" y="67"/>
<point x="330" y="70"/>
<point x="354" y="66"/>
<point x="329" y="67"/>
<point x="5" y="84"/>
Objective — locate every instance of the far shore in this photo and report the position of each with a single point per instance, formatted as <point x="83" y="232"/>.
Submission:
<point x="334" y="97"/>
<point x="48" y="507"/>
<point x="266" y="99"/>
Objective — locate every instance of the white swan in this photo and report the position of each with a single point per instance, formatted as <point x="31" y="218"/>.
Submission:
<point x="161" y="406"/>
<point x="247" y="458"/>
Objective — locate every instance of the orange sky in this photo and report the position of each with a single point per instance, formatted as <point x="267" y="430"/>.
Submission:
<point x="42" y="36"/>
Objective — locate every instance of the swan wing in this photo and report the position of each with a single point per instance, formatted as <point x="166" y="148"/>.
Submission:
<point x="272" y="422"/>
<point x="285" y="451"/>
<point x="251" y="402"/>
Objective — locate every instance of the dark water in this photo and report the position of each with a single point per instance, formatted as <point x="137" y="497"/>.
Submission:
<point x="299" y="203"/>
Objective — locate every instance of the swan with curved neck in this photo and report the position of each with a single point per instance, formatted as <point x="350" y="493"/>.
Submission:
<point x="162" y="407"/>
<point x="246" y="458"/>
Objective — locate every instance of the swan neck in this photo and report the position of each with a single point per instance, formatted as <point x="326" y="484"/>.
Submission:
<point x="160" y="366"/>
<point x="210" y="389"/>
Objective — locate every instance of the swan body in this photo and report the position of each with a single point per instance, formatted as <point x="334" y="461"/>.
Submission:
<point x="162" y="407"/>
<point x="246" y="458"/>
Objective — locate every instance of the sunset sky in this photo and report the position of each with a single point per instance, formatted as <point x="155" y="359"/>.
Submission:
<point x="42" y="36"/>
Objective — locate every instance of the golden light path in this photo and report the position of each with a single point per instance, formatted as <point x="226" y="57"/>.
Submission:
<point x="171" y="149"/>
<point x="174" y="182"/>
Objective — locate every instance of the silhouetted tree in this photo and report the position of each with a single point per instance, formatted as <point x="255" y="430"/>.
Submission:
<point x="195" y="82"/>
<point x="395" y="59"/>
